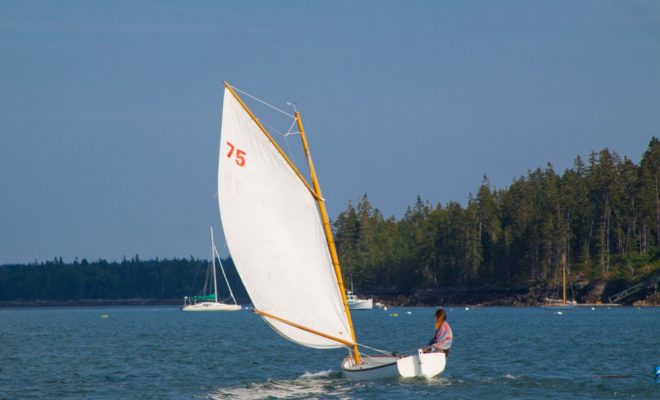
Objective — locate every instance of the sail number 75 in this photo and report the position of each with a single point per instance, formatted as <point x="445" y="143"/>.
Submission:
<point x="239" y="154"/>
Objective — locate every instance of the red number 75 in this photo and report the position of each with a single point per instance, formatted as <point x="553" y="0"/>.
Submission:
<point x="240" y="154"/>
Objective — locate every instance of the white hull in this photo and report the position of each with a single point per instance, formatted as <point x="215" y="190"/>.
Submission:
<point x="558" y="305"/>
<point x="361" y="304"/>
<point x="425" y="365"/>
<point x="211" y="306"/>
<point x="371" y="368"/>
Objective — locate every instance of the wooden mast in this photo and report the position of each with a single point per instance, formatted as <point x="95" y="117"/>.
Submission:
<point x="563" y="270"/>
<point x="328" y="234"/>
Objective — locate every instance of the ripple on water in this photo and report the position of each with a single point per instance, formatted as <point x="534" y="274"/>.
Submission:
<point x="498" y="353"/>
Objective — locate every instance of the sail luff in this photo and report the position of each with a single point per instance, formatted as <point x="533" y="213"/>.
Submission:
<point x="265" y="132"/>
<point x="328" y="233"/>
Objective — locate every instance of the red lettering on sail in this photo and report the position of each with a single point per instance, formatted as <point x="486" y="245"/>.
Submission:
<point x="240" y="154"/>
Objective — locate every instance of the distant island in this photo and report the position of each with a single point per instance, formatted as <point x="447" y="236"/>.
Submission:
<point x="503" y="248"/>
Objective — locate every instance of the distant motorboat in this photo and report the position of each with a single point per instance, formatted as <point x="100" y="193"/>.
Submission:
<point x="354" y="303"/>
<point x="210" y="302"/>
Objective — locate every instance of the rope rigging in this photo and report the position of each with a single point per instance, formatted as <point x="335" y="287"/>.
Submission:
<point x="289" y="131"/>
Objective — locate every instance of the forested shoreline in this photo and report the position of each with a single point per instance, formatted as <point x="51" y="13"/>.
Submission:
<point x="130" y="281"/>
<point x="503" y="247"/>
<point x="603" y="214"/>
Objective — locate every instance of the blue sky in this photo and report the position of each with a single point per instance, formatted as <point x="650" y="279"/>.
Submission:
<point x="110" y="111"/>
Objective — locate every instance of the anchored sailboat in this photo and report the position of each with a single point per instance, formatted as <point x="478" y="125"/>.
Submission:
<point x="562" y="304"/>
<point x="210" y="302"/>
<point x="279" y="235"/>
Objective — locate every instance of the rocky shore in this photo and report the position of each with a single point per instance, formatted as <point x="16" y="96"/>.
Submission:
<point x="584" y="292"/>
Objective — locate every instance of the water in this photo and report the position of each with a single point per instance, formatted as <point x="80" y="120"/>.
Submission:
<point x="163" y="353"/>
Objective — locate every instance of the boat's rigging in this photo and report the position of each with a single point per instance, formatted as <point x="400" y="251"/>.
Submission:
<point x="222" y="268"/>
<point x="261" y="101"/>
<point x="270" y="138"/>
<point x="271" y="128"/>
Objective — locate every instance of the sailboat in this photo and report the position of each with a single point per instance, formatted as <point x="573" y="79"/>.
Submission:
<point x="210" y="302"/>
<point x="278" y="232"/>
<point x="563" y="304"/>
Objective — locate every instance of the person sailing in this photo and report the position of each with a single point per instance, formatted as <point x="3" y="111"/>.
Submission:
<point x="442" y="338"/>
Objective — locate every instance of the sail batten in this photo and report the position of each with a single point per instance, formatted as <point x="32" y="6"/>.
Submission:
<point x="275" y="234"/>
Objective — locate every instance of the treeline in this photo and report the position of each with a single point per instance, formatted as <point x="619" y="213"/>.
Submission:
<point x="129" y="279"/>
<point x="604" y="214"/>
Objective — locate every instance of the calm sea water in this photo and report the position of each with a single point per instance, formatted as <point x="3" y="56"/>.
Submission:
<point x="163" y="353"/>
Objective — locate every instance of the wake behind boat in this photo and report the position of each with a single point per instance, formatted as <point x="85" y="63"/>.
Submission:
<point x="210" y="302"/>
<point x="278" y="232"/>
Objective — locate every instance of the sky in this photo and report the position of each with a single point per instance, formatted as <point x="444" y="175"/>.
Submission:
<point x="110" y="111"/>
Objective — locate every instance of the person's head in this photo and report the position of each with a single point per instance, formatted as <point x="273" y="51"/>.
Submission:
<point x="440" y="317"/>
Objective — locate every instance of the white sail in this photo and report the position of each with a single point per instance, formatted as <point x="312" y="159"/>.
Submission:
<point x="275" y="234"/>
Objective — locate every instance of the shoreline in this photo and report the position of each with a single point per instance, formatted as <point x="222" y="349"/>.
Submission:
<point x="389" y="301"/>
<point x="586" y="293"/>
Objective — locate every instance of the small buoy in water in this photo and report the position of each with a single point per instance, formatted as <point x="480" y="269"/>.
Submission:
<point x="467" y="308"/>
<point x="104" y="316"/>
<point x="409" y="312"/>
<point x="385" y="308"/>
<point x="560" y="313"/>
<point x="247" y="308"/>
<point x="593" y="308"/>
<point x="394" y="315"/>
<point x="657" y="372"/>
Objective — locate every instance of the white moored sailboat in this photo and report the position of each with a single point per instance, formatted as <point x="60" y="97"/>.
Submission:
<point x="210" y="302"/>
<point x="279" y="235"/>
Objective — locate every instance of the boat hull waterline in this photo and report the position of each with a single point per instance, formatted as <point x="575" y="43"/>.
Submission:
<point x="210" y="306"/>
<point x="361" y="304"/>
<point x="425" y="365"/>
